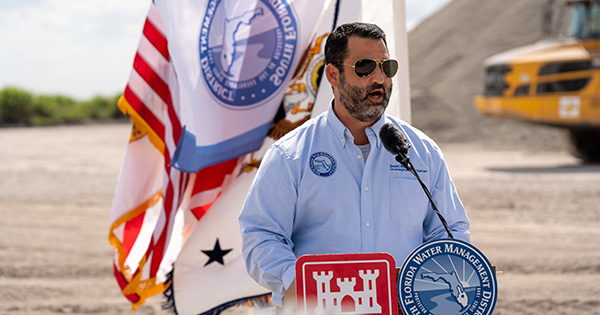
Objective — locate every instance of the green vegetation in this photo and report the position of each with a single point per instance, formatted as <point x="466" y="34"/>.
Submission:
<point x="19" y="107"/>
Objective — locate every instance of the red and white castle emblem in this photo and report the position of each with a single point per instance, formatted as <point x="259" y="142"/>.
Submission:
<point x="346" y="284"/>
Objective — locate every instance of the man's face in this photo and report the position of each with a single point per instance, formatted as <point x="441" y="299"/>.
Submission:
<point x="365" y="99"/>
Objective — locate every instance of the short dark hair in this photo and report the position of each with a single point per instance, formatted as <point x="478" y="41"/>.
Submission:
<point x="336" y="46"/>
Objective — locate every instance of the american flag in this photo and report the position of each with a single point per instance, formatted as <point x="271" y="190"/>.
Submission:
<point x="150" y="192"/>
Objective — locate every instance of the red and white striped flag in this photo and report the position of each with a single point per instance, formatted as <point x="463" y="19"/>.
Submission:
<point x="149" y="190"/>
<point x="146" y="229"/>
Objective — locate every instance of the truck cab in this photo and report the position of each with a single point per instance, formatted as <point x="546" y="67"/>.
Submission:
<point x="553" y="82"/>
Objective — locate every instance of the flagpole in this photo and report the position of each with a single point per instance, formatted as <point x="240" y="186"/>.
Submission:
<point x="403" y="76"/>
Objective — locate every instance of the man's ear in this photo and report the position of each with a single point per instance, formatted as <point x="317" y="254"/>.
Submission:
<point x="333" y="75"/>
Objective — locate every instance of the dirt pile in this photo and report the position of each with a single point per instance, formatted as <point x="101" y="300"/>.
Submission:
<point x="446" y="53"/>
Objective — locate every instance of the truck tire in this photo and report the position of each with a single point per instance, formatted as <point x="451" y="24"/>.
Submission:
<point x="585" y="144"/>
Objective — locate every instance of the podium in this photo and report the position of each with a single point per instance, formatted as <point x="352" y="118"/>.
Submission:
<point x="441" y="277"/>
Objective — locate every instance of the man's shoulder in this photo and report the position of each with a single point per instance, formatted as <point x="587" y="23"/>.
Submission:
<point x="412" y="133"/>
<point x="407" y="128"/>
<point x="301" y="133"/>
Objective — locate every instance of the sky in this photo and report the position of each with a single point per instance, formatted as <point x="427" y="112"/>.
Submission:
<point x="86" y="48"/>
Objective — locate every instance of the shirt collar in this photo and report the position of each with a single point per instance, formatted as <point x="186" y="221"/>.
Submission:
<point x="342" y="133"/>
<point x="375" y="128"/>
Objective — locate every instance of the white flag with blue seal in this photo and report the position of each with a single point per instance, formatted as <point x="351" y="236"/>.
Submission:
<point x="233" y="61"/>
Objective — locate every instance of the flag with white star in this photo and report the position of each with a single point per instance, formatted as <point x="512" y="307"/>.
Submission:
<point x="210" y="270"/>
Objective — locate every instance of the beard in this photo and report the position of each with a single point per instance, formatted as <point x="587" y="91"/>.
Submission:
<point x="356" y="100"/>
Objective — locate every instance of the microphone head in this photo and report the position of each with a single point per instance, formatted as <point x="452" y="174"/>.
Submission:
<point x="393" y="140"/>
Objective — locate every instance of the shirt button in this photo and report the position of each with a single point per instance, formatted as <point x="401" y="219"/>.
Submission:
<point x="359" y="157"/>
<point x="368" y="224"/>
<point x="366" y="188"/>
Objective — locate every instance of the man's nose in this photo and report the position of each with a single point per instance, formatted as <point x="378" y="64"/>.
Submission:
<point x="378" y="76"/>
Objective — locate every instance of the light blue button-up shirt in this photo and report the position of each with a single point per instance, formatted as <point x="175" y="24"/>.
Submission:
<point x="315" y="194"/>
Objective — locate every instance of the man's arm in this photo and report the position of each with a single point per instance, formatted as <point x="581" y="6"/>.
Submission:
<point x="266" y="223"/>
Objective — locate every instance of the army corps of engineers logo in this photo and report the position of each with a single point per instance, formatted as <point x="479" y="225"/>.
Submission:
<point x="447" y="277"/>
<point x="247" y="49"/>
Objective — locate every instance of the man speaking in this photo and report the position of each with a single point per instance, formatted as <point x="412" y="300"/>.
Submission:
<point x="330" y="186"/>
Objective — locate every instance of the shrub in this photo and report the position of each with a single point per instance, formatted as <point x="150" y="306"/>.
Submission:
<point x="20" y="107"/>
<point x="103" y="107"/>
<point x="15" y="106"/>
<point x="52" y="110"/>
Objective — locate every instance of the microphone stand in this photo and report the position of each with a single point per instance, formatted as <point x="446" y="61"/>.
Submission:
<point x="402" y="158"/>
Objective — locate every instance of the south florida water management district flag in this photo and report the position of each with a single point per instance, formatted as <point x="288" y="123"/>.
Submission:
<point x="210" y="275"/>
<point x="233" y="61"/>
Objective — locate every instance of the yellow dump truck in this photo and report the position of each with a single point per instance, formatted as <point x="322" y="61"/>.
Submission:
<point x="552" y="82"/>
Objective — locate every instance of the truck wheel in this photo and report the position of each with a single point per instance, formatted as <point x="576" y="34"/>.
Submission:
<point x="585" y="144"/>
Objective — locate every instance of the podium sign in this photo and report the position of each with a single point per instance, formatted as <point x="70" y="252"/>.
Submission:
<point x="346" y="284"/>
<point x="447" y="277"/>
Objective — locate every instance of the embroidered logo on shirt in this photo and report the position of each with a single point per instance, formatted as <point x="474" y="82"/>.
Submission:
<point x="400" y="168"/>
<point x="322" y="164"/>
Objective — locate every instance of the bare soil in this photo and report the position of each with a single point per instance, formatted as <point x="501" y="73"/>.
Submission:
<point x="534" y="214"/>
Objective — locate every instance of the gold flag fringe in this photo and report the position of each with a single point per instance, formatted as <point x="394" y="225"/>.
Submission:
<point x="143" y="288"/>
<point x="140" y="124"/>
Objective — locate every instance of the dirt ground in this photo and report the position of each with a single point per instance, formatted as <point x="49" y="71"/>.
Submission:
<point x="534" y="214"/>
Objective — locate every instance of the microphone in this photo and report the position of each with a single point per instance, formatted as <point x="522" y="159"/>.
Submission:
<point x="394" y="141"/>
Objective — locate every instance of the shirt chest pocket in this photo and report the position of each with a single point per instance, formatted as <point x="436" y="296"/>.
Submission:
<point x="408" y="202"/>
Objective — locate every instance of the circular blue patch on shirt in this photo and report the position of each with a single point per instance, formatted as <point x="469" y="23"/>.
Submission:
<point x="322" y="164"/>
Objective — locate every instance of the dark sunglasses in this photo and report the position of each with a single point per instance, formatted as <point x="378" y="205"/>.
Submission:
<point x="365" y="67"/>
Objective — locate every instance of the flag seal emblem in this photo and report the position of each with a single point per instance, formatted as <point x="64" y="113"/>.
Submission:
<point x="247" y="50"/>
<point x="322" y="164"/>
<point x="447" y="276"/>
